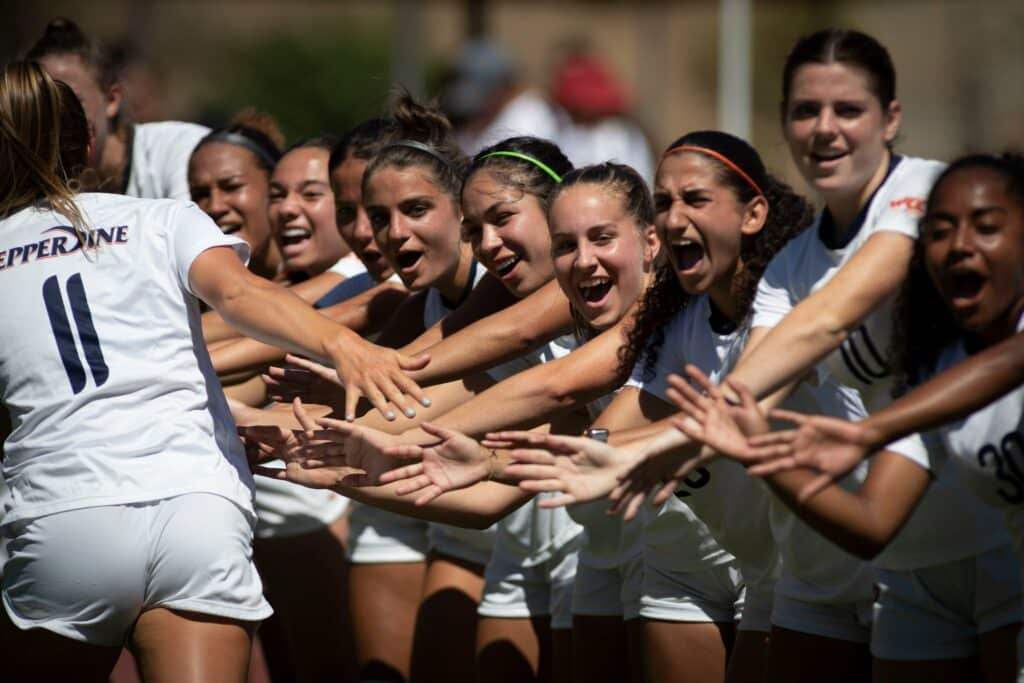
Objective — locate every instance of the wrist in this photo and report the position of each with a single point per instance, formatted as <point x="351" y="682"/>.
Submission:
<point x="333" y="344"/>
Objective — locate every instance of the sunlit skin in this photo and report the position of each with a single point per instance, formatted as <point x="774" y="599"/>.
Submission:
<point x="602" y="258"/>
<point x="353" y="223"/>
<point x="302" y="212"/>
<point x="508" y="231"/>
<point x="228" y="183"/>
<point x="701" y="223"/>
<point x="107" y="152"/>
<point x="973" y="240"/>
<point x="417" y="227"/>
<point x="838" y="134"/>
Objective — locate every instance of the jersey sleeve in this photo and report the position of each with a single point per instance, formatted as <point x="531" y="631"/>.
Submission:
<point x="903" y="205"/>
<point x="670" y="360"/>
<point x="175" y="162"/>
<point x="773" y="301"/>
<point x="190" y="233"/>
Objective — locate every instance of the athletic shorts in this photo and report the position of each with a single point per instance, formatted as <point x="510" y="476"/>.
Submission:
<point x="88" y="574"/>
<point x="609" y="592"/>
<point x="512" y="591"/>
<point x="469" y="545"/>
<point x="843" y="621"/>
<point x="939" y="612"/>
<point x="380" y="537"/>
<point x="711" y="595"/>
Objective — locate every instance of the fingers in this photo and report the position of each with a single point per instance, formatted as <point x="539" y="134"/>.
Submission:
<point x="704" y="382"/>
<point x="532" y="456"/>
<point x="542" y="485"/>
<point x="399" y="473"/>
<point x="532" y="472"/>
<point x="414" y="484"/>
<point x="774" y="466"/>
<point x="747" y="399"/>
<point x="665" y="492"/>
<point x="411" y="363"/>
<point x="270" y="472"/>
<point x="789" y="416"/>
<point x="305" y="421"/>
<point x="352" y="395"/>
<point x="438" y="431"/>
<point x="784" y="437"/>
<point x="511" y="438"/>
<point x="556" y="501"/>
<point x="633" y="506"/>
<point x="429" y="494"/>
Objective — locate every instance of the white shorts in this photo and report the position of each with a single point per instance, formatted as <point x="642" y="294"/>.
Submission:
<point x="711" y="595"/>
<point x="380" y="537"/>
<point x="609" y="592"/>
<point x="286" y="509"/>
<point x="512" y="591"/>
<point x="847" y="621"/>
<point x="87" y="574"/>
<point x="468" y="545"/>
<point x="939" y="612"/>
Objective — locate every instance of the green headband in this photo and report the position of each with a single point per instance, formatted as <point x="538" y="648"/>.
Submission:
<point x="525" y="157"/>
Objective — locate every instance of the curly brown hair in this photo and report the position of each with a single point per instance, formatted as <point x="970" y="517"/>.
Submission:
<point x="788" y="215"/>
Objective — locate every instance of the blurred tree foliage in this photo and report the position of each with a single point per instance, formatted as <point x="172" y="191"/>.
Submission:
<point x="322" y="81"/>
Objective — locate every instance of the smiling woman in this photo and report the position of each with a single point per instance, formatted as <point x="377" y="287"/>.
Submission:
<point x="302" y="213"/>
<point x="228" y="177"/>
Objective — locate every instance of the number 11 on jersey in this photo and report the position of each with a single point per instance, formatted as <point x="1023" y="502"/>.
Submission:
<point x="64" y="336"/>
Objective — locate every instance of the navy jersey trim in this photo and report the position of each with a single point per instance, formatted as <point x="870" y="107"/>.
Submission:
<point x="827" y="230"/>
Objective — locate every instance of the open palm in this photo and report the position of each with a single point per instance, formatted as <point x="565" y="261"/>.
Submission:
<point x="455" y="462"/>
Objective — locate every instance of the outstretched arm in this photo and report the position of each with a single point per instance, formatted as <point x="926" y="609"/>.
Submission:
<point x="820" y="323"/>
<point x="509" y="333"/>
<point x="362" y="314"/>
<point x="269" y="312"/>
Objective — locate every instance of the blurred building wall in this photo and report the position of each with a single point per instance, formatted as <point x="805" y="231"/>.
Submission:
<point x="960" y="69"/>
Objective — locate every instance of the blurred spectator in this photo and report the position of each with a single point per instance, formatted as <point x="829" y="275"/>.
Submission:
<point x="596" y="126"/>
<point x="487" y="101"/>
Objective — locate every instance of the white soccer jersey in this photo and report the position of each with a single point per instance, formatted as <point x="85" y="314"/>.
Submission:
<point x="731" y="507"/>
<point x="102" y="362"/>
<point x="348" y="265"/>
<point x="158" y="165"/>
<point x="473" y="545"/>
<point x="987" y="448"/>
<point x="939" y="531"/>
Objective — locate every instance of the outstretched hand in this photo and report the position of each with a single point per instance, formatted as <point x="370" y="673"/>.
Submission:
<point x="714" y="420"/>
<point x="306" y="379"/>
<point x="456" y="461"/>
<point x="577" y="468"/>
<point x="830" y="446"/>
<point x="377" y="373"/>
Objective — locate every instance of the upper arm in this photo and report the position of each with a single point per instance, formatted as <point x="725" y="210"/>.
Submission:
<point x="217" y="274"/>
<point x="863" y="283"/>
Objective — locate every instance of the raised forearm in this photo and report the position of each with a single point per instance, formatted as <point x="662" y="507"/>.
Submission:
<point x="506" y="334"/>
<point x="953" y="394"/>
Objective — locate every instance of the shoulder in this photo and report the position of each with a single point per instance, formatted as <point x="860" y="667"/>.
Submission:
<point x="907" y="187"/>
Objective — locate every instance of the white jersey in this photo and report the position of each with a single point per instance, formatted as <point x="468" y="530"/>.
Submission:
<point x="987" y="448"/>
<point x="731" y="507"/>
<point x="103" y="366"/>
<point x="474" y="545"/>
<point x="949" y="524"/>
<point x="348" y="265"/>
<point x="158" y="165"/>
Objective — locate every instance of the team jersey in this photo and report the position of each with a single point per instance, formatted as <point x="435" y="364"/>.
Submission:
<point x="158" y="165"/>
<point x="723" y="511"/>
<point x="102" y="362"/>
<point x="987" y="448"/>
<point x="348" y="265"/>
<point x="938" y="531"/>
<point x="474" y="545"/>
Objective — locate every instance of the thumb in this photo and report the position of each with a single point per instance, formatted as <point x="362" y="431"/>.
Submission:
<point x="438" y="431"/>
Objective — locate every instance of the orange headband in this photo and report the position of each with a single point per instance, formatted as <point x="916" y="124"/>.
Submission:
<point x="721" y="157"/>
